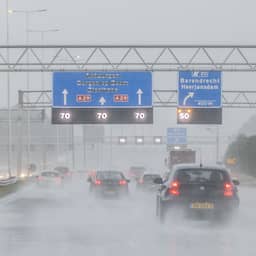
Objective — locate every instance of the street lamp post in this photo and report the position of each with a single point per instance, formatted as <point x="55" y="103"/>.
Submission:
<point x="27" y="14"/>
<point x="42" y="33"/>
<point x="8" y="95"/>
<point x="73" y="141"/>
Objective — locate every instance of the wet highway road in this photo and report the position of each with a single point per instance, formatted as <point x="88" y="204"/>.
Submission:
<point x="70" y="222"/>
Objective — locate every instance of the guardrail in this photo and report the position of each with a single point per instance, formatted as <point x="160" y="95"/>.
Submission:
<point x="245" y="179"/>
<point x="9" y="181"/>
<point x="11" y="185"/>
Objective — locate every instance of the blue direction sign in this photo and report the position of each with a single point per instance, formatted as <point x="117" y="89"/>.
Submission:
<point x="102" y="89"/>
<point x="176" y="136"/>
<point x="200" y="89"/>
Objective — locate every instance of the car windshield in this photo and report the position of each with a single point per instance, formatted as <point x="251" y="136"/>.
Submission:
<point x="150" y="177"/>
<point x="201" y="175"/>
<point x="109" y="175"/>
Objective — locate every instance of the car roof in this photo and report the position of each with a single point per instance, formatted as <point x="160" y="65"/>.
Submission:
<point x="61" y="167"/>
<point x="138" y="167"/>
<point x="149" y="173"/>
<point x="52" y="171"/>
<point x="199" y="166"/>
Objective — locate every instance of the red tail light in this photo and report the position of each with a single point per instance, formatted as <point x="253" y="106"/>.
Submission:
<point x="228" y="189"/>
<point x="97" y="182"/>
<point x="174" y="188"/>
<point x="122" y="182"/>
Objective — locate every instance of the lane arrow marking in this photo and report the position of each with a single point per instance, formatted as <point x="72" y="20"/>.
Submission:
<point x="190" y="95"/>
<point x="65" y="93"/>
<point x="139" y="93"/>
<point x="102" y="101"/>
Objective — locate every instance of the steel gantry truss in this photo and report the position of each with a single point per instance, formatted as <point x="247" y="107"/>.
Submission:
<point x="158" y="58"/>
<point x="161" y="98"/>
<point x="48" y="58"/>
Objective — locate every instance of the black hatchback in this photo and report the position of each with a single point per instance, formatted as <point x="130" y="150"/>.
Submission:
<point x="193" y="190"/>
<point x="109" y="184"/>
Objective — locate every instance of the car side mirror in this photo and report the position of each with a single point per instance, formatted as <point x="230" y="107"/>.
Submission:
<point x="89" y="179"/>
<point x="236" y="181"/>
<point x="127" y="180"/>
<point x="158" y="181"/>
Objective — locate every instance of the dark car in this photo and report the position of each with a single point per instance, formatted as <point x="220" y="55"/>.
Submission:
<point x="193" y="190"/>
<point x="146" y="182"/>
<point x="64" y="172"/>
<point x="109" y="184"/>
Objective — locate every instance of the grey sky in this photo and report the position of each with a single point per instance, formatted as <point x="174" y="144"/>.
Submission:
<point x="138" y="21"/>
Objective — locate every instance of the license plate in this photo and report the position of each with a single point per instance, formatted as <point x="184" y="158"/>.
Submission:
<point x="202" y="205"/>
<point x="109" y="192"/>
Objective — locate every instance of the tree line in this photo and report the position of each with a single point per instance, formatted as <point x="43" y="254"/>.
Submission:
<point x="241" y="154"/>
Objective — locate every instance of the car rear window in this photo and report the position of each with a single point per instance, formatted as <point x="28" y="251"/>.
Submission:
<point x="50" y="174"/>
<point x="110" y="175"/>
<point x="151" y="177"/>
<point x="62" y="169"/>
<point x="201" y="175"/>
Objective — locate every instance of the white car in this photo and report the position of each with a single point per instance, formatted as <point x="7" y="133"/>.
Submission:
<point x="49" y="178"/>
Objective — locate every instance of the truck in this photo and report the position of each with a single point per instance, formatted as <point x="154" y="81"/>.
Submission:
<point x="181" y="156"/>
<point x="135" y="172"/>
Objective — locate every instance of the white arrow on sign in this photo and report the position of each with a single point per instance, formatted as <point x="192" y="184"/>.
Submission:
<point x="102" y="101"/>
<point x="139" y="93"/>
<point x="65" y="93"/>
<point x="190" y="95"/>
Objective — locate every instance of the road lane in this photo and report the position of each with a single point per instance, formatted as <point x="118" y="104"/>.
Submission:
<point x="71" y="222"/>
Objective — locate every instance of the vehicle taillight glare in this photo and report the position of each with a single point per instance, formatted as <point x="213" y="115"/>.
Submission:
<point x="175" y="184"/>
<point x="228" y="189"/>
<point x="174" y="188"/>
<point x="122" y="182"/>
<point x="97" y="182"/>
